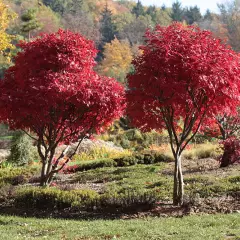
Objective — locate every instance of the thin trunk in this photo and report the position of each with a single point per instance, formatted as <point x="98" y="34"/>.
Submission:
<point x="178" y="190"/>
<point x="181" y="184"/>
<point x="43" y="174"/>
<point x="175" y="186"/>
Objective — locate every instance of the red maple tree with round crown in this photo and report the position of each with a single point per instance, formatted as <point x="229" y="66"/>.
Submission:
<point x="184" y="78"/>
<point x="53" y="91"/>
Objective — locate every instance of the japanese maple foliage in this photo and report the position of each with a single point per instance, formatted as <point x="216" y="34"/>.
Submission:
<point x="53" y="90"/>
<point x="231" y="148"/>
<point x="182" y="80"/>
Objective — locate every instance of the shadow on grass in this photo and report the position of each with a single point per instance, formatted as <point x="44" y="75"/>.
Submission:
<point x="138" y="211"/>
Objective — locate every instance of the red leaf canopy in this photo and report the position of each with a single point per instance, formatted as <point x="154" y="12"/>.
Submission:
<point x="53" y="86"/>
<point x="183" y="70"/>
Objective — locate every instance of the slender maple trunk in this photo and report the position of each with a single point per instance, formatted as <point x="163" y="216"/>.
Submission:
<point x="43" y="173"/>
<point x="180" y="182"/>
<point x="178" y="189"/>
<point x="175" y="185"/>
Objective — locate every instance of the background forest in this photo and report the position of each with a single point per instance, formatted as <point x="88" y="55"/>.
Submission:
<point x="117" y="27"/>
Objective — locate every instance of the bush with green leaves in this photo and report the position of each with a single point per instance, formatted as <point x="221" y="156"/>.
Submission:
<point x="16" y="175"/>
<point x="22" y="150"/>
<point x="137" y="140"/>
<point x="149" y="157"/>
<point x="53" y="198"/>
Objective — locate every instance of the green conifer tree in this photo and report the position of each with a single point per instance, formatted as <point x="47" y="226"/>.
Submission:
<point x="177" y="12"/>
<point x="138" y="10"/>
<point x="30" y="22"/>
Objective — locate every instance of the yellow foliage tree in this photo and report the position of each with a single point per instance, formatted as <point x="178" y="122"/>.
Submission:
<point x="117" y="60"/>
<point x="6" y="16"/>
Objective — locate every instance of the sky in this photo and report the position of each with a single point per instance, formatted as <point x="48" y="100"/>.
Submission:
<point x="203" y="4"/>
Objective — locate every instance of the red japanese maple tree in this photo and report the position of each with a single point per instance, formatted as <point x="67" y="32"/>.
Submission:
<point x="182" y="80"/>
<point x="53" y="91"/>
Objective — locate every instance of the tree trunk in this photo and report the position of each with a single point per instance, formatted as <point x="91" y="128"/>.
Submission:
<point x="178" y="189"/>
<point x="181" y="184"/>
<point x="45" y="172"/>
<point x="175" y="186"/>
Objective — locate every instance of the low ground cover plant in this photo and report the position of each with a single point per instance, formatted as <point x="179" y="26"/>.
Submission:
<point x="123" y="188"/>
<point x="204" y="150"/>
<point x="17" y="175"/>
<point x="148" y="157"/>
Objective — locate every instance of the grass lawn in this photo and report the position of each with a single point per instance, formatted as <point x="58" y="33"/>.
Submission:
<point x="192" y="227"/>
<point x="152" y="178"/>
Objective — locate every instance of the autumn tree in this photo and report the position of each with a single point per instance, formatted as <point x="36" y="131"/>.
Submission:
<point x="6" y="39"/>
<point x="35" y="18"/>
<point x="48" y="21"/>
<point x="83" y="23"/>
<point x="184" y="77"/>
<point x="117" y="60"/>
<point x="163" y="17"/>
<point x="64" y="6"/>
<point x="230" y="17"/>
<point x="53" y="91"/>
<point x="6" y="16"/>
<point x="135" y="30"/>
<point x="122" y="20"/>
<point x="217" y="27"/>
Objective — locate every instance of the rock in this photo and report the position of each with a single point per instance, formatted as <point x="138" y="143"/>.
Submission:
<point x="88" y="145"/>
<point x="4" y="154"/>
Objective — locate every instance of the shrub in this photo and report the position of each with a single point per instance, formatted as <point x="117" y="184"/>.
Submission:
<point x="90" y="165"/>
<point x="129" y="199"/>
<point x="22" y="150"/>
<point x="6" y="191"/>
<point x="126" y="161"/>
<point x="235" y="179"/>
<point x="163" y="157"/>
<point x="137" y="140"/>
<point x="53" y="198"/>
<point x="231" y="155"/>
<point x="149" y="158"/>
<point x="207" y="188"/>
<point x="206" y="150"/>
<point x="100" y="153"/>
<point x="145" y="158"/>
<point x="15" y="176"/>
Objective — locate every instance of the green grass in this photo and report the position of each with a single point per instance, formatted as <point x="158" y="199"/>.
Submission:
<point x="150" y="178"/>
<point x="213" y="227"/>
<point x="140" y="178"/>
